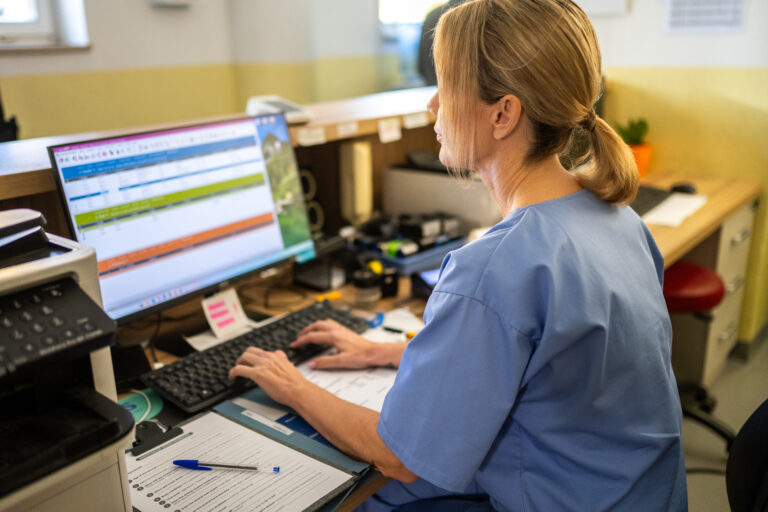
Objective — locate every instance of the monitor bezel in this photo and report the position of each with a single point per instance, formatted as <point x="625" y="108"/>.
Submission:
<point x="137" y="315"/>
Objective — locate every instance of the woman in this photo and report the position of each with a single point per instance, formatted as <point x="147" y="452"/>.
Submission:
<point x="542" y="377"/>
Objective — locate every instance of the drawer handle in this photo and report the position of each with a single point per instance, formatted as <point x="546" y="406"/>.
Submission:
<point x="740" y="237"/>
<point x="728" y="333"/>
<point x="734" y="285"/>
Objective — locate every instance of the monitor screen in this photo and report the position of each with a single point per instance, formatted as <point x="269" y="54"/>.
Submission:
<point x="177" y="212"/>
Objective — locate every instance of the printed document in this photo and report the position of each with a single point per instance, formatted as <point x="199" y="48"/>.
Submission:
<point x="369" y="386"/>
<point x="158" y="486"/>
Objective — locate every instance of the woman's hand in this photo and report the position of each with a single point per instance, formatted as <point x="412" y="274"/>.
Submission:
<point x="273" y="372"/>
<point x="354" y="351"/>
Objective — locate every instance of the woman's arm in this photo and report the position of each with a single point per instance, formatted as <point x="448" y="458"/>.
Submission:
<point x="350" y="427"/>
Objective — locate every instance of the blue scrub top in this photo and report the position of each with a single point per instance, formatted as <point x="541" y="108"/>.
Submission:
<point x="543" y="373"/>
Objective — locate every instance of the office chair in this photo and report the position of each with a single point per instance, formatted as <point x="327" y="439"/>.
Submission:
<point x="694" y="289"/>
<point x="746" y="472"/>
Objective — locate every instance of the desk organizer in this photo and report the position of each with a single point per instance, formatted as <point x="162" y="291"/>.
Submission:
<point x="425" y="260"/>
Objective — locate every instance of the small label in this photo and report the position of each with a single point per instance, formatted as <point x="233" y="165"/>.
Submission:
<point x="344" y="130"/>
<point x="389" y="130"/>
<point x="311" y="136"/>
<point x="224" y="313"/>
<point x="416" y="120"/>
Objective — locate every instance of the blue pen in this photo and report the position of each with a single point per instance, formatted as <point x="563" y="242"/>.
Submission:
<point x="207" y="466"/>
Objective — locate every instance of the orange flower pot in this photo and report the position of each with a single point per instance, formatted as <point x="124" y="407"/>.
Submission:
<point x="642" y="154"/>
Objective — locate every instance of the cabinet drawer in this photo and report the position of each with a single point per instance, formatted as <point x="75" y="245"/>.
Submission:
<point x="722" y="335"/>
<point x="733" y="250"/>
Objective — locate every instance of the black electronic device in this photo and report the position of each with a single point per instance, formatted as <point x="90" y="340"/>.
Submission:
<point x="177" y="213"/>
<point x="422" y="283"/>
<point x="648" y="198"/>
<point x="9" y="130"/>
<point x="200" y="380"/>
<point x="683" y="187"/>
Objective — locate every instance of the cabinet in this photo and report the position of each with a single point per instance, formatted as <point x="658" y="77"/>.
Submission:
<point x="701" y="344"/>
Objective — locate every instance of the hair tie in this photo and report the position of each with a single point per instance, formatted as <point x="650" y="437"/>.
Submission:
<point x="588" y="123"/>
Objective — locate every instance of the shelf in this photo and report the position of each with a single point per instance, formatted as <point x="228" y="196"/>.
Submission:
<point x="25" y="167"/>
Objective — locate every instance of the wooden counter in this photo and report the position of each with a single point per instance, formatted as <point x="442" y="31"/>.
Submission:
<point x="724" y="197"/>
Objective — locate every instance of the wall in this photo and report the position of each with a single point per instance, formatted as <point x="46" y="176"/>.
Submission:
<point x="310" y="50"/>
<point x="145" y="66"/>
<point x="148" y="65"/>
<point x="707" y="107"/>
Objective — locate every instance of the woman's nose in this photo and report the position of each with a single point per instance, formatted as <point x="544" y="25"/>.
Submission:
<point x="433" y="105"/>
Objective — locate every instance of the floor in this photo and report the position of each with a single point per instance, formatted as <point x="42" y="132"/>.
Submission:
<point x="739" y="390"/>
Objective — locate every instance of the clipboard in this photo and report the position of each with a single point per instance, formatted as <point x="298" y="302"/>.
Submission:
<point x="286" y="426"/>
<point x="305" y="482"/>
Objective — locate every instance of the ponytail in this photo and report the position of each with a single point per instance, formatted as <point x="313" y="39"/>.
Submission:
<point x="612" y="172"/>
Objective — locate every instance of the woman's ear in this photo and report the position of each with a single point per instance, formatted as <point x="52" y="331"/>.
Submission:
<point x="506" y="114"/>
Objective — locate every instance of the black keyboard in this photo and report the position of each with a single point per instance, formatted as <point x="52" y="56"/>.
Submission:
<point x="200" y="380"/>
<point x="648" y="198"/>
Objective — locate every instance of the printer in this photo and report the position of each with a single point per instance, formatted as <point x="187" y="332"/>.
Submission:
<point x="62" y="434"/>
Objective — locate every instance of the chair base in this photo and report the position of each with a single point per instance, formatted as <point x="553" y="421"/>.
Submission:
<point x="698" y="405"/>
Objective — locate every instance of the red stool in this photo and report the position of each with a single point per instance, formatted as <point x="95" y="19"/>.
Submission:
<point x="694" y="289"/>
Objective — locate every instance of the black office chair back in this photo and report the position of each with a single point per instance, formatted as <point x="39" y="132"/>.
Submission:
<point x="746" y="474"/>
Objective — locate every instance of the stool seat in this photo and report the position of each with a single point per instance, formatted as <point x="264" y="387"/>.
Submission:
<point x="691" y="288"/>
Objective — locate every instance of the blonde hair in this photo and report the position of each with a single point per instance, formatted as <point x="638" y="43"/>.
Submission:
<point x="545" y="52"/>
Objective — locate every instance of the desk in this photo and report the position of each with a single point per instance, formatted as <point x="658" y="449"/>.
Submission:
<point x="724" y="197"/>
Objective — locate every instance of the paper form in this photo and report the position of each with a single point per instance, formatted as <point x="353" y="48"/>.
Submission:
<point x="369" y="386"/>
<point x="159" y="486"/>
<point x="674" y="209"/>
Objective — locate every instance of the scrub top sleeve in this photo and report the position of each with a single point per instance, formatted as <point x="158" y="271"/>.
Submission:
<point x="456" y="385"/>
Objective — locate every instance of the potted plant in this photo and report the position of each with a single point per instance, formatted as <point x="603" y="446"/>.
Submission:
<point x="633" y="134"/>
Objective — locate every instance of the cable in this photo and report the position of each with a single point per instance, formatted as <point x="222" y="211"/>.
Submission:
<point x="149" y="404"/>
<point x="152" y="340"/>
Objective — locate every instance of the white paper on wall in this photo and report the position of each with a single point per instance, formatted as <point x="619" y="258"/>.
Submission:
<point x="705" y="16"/>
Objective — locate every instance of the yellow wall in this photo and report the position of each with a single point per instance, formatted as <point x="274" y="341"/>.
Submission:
<point x="711" y="122"/>
<point x="309" y="82"/>
<point x="63" y="103"/>
<point x="55" y="104"/>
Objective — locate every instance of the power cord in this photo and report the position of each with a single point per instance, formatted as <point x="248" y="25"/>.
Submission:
<point x="149" y="404"/>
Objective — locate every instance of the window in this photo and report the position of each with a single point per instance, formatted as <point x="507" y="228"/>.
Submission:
<point x="42" y="23"/>
<point x="401" y="22"/>
<point x="405" y="11"/>
<point x="26" y="21"/>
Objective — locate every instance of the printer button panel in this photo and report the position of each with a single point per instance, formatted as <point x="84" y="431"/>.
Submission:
<point x="39" y="323"/>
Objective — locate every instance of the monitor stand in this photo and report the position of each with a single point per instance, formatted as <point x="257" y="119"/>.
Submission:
<point x="129" y="364"/>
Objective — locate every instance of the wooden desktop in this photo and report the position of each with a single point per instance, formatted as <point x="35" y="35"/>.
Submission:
<point x="26" y="181"/>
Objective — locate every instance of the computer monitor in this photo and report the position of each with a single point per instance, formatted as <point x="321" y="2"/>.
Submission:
<point x="179" y="212"/>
